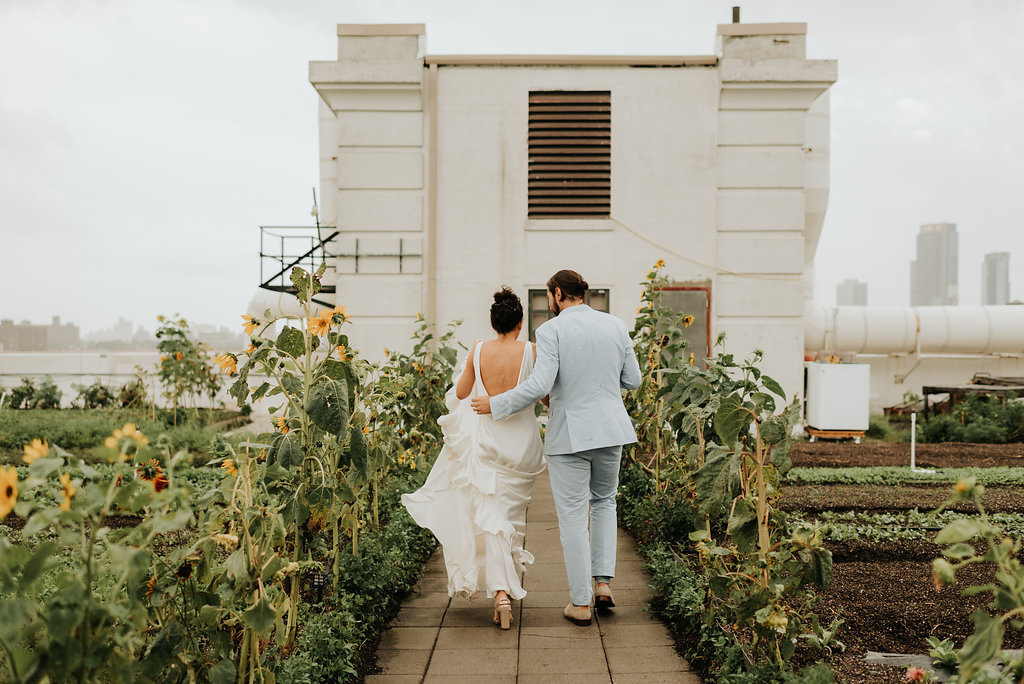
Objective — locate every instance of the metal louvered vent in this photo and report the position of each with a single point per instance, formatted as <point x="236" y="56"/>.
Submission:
<point x="570" y="167"/>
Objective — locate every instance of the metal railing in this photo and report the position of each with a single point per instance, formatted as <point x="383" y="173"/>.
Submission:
<point x="285" y="247"/>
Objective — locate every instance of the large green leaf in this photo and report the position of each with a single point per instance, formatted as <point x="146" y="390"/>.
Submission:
<point x="981" y="647"/>
<point x="960" y="530"/>
<point x="306" y="286"/>
<point x="261" y="617"/>
<point x="731" y="418"/>
<point x="716" y="480"/>
<point x="41" y="560"/>
<point x="285" y="451"/>
<point x="743" y="525"/>
<point x="357" y="450"/>
<point x="772" y="386"/>
<point x="821" y="567"/>
<point x="223" y="672"/>
<point x="291" y="342"/>
<point x="327" y="405"/>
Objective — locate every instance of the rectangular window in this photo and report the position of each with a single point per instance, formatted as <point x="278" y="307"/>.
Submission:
<point x="570" y="165"/>
<point x="539" y="311"/>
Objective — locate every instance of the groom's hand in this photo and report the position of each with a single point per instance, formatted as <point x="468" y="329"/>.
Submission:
<point x="482" y="405"/>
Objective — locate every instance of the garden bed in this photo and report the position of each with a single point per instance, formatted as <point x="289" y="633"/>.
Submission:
<point x="884" y="592"/>
<point x="874" y="453"/>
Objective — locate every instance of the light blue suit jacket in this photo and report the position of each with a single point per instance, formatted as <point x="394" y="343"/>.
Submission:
<point x="584" y="359"/>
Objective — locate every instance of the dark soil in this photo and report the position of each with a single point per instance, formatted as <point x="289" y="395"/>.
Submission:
<point x="830" y="497"/>
<point x="885" y="594"/>
<point x="874" y="453"/>
<point x="114" y="522"/>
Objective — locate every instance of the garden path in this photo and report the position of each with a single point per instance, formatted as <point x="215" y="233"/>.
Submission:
<point x="437" y="639"/>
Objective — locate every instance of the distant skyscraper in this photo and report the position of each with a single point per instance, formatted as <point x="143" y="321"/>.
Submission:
<point x="852" y="292"/>
<point x="995" y="278"/>
<point x="934" y="273"/>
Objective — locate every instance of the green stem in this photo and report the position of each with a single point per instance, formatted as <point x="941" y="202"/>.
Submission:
<point x="243" y="657"/>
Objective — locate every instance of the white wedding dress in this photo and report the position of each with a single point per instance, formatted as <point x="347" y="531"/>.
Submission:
<point x="475" y="498"/>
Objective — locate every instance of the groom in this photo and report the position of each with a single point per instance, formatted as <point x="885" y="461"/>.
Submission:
<point x="584" y="359"/>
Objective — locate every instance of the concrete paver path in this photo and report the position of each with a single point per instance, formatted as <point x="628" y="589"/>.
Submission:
<point x="437" y="639"/>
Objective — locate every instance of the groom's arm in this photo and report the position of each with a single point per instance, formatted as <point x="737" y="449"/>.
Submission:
<point x="535" y="387"/>
<point x="629" y="377"/>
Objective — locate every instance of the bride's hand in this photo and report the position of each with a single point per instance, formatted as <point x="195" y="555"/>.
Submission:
<point x="482" y="404"/>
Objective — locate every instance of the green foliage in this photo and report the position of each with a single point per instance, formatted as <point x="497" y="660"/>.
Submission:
<point x="716" y="446"/>
<point x="897" y="475"/>
<point x="90" y="626"/>
<point x="978" y="418"/>
<point x="421" y="378"/>
<point x="28" y="396"/>
<point x="884" y="527"/>
<point x="1006" y="610"/>
<point x="185" y="370"/>
<point x="94" y="396"/>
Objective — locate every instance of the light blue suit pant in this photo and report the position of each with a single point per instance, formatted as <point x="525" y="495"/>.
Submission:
<point x="584" y="486"/>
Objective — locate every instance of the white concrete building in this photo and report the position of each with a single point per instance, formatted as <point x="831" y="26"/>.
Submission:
<point x="995" y="278"/>
<point x="717" y="164"/>
<point x="446" y="176"/>
<point x="852" y="292"/>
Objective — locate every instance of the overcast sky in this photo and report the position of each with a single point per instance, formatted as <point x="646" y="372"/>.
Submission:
<point x="142" y="143"/>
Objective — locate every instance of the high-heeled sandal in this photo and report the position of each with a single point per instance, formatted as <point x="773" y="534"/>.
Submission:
<point x="503" y="611"/>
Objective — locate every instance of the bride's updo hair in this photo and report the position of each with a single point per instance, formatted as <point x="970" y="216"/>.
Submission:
<point x="506" y="311"/>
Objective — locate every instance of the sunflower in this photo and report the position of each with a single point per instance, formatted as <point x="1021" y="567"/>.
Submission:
<point x="150" y="586"/>
<point x="320" y="324"/>
<point x="69" y="492"/>
<point x="688" y="320"/>
<point x="177" y="356"/>
<point x="228" y="363"/>
<point x="249" y="350"/>
<point x="691" y="358"/>
<point x="228" y="465"/>
<point x="660" y="263"/>
<point x="8" y="490"/>
<point x="152" y="472"/>
<point x="339" y="311"/>
<point x="35" y="449"/>
<point x="282" y="424"/>
<point x="250" y="324"/>
<point x="342" y="356"/>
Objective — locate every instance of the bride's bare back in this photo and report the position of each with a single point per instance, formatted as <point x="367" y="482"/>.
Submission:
<point x="500" y="362"/>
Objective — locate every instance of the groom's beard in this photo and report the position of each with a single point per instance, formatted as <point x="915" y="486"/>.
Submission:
<point x="555" y="307"/>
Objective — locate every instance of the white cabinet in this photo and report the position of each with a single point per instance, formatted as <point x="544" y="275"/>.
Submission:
<point x="838" y="395"/>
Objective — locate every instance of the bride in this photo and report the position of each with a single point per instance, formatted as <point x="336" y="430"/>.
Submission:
<point x="475" y="498"/>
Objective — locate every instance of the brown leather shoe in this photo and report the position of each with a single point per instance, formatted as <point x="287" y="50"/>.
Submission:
<point x="578" y="614"/>
<point x="603" y="597"/>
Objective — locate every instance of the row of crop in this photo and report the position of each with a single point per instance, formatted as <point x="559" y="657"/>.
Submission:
<point x="910" y="525"/>
<point x="303" y="518"/>
<point x="736" y="577"/>
<point x="896" y="475"/>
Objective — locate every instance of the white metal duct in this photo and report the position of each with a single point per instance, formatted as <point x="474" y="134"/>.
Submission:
<point x="927" y="329"/>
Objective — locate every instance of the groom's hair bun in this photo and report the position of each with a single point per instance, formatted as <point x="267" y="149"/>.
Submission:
<point x="570" y="283"/>
<point x="506" y="311"/>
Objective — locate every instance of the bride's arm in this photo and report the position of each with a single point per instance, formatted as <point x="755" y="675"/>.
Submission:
<point x="465" y="385"/>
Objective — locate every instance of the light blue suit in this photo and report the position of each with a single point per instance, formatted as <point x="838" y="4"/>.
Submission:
<point x="584" y="359"/>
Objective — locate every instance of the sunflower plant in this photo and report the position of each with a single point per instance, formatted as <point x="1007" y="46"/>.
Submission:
<point x="74" y="597"/>
<point x="318" y="451"/>
<point x="184" y="370"/>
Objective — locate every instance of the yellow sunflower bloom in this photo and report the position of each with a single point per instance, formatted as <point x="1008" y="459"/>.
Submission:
<point x="250" y="324"/>
<point x="35" y="449"/>
<point x="688" y="320"/>
<point x="8" y="490"/>
<point x="320" y="325"/>
<point x="69" y="492"/>
<point x="342" y="356"/>
<point x="228" y="363"/>
<point x="249" y="350"/>
<point x="229" y="466"/>
<point x="282" y="424"/>
<point x="339" y="311"/>
<point x="691" y="358"/>
<point x="660" y="263"/>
